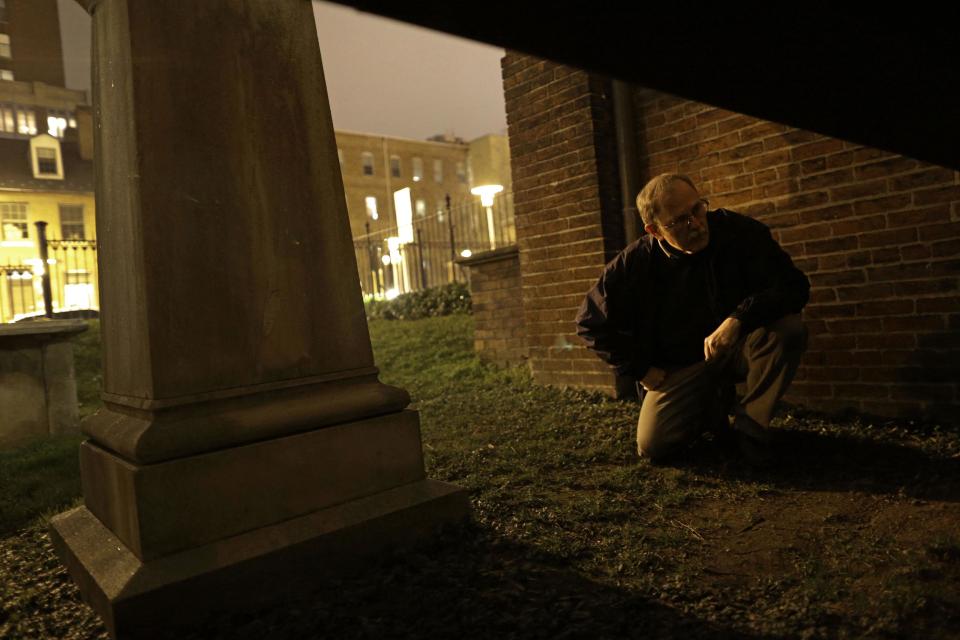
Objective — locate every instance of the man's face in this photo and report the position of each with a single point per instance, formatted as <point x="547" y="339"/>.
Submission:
<point x="683" y="219"/>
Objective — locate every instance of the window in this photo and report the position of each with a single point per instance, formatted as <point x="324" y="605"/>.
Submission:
<point x="438" y="170"/>
<point x="21" y="292"/>
<point x="71" y="222"/>
<point x="13" y="218"/>
<point x="371" y="204"/>
<point x="6" y="74"/>
<point x="77" y="289"/>
<point x="417" y="169"/>
<point x="367" y="163"/>
<point x="421" y="206"/>
<point x="47" y="161"/>
<point x="5" y="46"/>
<point x="441" y="208"/>
<point x="7" y="119"/>
<point x="58" y="121"/>
<point x="340" y="157"/>
<point x="3" y="10"/>
<point x="461" y="173"/>
<point x="395" y="166"/>
<point x="26" y="122"/>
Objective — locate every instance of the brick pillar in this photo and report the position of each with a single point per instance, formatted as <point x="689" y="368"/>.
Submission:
<point x="567" y="205"/>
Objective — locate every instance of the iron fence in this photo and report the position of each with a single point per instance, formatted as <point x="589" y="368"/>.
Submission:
<point x="424" y="253"/>
<point x="61" y="280"/>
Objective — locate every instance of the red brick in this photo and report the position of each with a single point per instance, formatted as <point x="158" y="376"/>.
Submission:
<point x="829" y="311"/>
<point x="886" y="341"/>
<point x="886" y="308"/>
<point x="826" y="213"/>
<point x="886" y="238"/>
<point x="940" y="194"/>
<point x="924" y="178"/>
<point x="882" y="205"/>
<point x="858" y="190"/>
<point x="766" y="160"/>
<point x="866" y="292"/>
<point x="924" y="287"/>
<point x="819" y="148"/>
<point x="861" y="391"/>
<point x="935" y="305"/>
<point x="913" y="323"/>
<point x="945" y="231"/>
<point x="914" y="217"/>
<point x="831" y="246"/>
<point x="859" y="224"/>
<point x="859" y="325"/>
<point x="830" y="179"/>
<point x="822" y="295"/>
<point x="847" y="276"/>
<point x="883" y="168"/>
<point x="885" y="255"/>
<point x="839" y="159"/>
<point x="946" y="248"/>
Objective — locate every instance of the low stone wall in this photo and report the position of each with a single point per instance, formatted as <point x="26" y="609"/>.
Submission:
<point x="38" y="390"/>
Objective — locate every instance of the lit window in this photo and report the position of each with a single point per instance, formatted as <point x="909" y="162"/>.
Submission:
<point x="395" y="166"/>
<point x="371" y="204"/>
<point x="441" y="207"/>
<point x="421" y="207"/>
<point x="5" y="46"/>
<point x="367" y="163"/>
<point x="8" y="123"/>
<point x="438" y="170"/>
<point x="6" y="74"/>
<point x="26" y="122"/>
<point x="71" y="222"/>
<point x="461" y="173"/>
<point x="56" y="126"/>
<point x="417" y="169"/>
<point x="47" y="161"/>
<point x="13" y="219"/>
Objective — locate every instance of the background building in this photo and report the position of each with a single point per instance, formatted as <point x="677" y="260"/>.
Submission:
<point x="46" y="170"/>
<point x="30" y="48"/>
<point x="412" y="207"/>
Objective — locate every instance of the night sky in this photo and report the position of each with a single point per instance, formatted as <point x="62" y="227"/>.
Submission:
<point x="384" y="76"/>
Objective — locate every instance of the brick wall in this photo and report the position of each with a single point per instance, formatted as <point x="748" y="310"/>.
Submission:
<point x="566" y="205"/>
<point x="878" y="234"/>
<point x="498" y="334"/>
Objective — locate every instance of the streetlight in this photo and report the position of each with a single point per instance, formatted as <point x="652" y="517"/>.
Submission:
<point x="487" y="193"/>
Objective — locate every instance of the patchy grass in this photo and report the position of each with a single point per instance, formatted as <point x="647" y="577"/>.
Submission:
<point x="853" y="535"/>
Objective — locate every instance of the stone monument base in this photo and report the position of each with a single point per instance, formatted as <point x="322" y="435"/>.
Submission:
<point x="254" y="568"/>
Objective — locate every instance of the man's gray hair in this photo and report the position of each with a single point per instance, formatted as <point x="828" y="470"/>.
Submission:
<point x="650" y="198"/>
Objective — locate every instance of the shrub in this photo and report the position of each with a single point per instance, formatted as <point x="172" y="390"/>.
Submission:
<point x="429" y="303"/>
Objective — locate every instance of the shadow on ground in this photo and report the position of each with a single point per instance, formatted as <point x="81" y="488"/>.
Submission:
<point x="469" y="584"/>
<point x="812" y="461"/>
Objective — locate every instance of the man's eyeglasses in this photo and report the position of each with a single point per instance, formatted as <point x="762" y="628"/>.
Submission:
<point x="686" y="220"/>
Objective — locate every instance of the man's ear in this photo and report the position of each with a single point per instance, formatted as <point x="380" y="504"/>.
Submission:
<point x="652" y="230"/>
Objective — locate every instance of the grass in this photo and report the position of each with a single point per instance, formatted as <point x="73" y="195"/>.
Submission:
<point x="853" y="535"/>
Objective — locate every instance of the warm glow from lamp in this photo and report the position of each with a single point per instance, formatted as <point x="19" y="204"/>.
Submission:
<point x="486" y="193"/>
<point x="466" y="253"/>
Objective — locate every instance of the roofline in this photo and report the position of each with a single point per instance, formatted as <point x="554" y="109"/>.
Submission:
<point x="377" y="135"/>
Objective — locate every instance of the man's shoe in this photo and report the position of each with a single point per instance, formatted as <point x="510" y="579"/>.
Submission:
<point x="757" y="453"/>
<point x="753" y="441"/>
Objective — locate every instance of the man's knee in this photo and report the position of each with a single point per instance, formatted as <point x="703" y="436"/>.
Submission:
<point x="788" y="334"/>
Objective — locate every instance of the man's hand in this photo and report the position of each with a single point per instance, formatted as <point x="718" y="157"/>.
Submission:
<point x="653" y="379"/>
<point x="722" y="339"/>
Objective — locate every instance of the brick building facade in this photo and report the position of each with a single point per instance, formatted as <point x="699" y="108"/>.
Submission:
<point x="878" y="234"/>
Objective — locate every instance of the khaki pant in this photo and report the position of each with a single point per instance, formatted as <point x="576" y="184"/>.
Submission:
<point x="693" y="398"/>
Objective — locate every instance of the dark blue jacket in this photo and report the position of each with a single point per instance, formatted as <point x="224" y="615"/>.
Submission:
<point x="750" y="277"/>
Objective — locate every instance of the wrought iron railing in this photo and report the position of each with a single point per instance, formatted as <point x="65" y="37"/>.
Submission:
<point x="67" y="269"/>
<point x="425" y="253"/>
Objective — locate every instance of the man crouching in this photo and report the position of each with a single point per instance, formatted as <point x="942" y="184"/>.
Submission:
<point x="705" y="299"/>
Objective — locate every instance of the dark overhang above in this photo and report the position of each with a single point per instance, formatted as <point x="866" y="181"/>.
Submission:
<point x="887" y="78"/>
